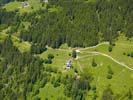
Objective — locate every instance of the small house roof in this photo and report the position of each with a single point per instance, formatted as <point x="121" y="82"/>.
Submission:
<point x="69" y="63"/>
<point x="46" y="1"/>
<point x="77" y="51"/>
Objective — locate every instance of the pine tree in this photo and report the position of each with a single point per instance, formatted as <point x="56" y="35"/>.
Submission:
<point x="74" y="54"/>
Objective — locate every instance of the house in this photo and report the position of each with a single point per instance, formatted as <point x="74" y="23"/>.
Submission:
<point x="78" y="51"/>
<point x="45" y="1"/>
<point x="68" y="64"/>
<point x="25" y="4"/>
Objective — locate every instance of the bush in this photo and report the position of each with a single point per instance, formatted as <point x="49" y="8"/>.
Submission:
<point x="94" y="97"/>
<point x="124" y="53"/>
<point x="50" y="56"/>
<point x="74" y="54"/>
<point x="113" y="44"/>
<point x="32" y="7"/>
<point x="94" y="88"/>
<point x="109" y="76"/>
<point x="56" y="82"/>
<point x="131" y="54"/>
<point x="128" y="54"/>
<point x="36" y="92"/>
<point x="51" y="69"/>
<point x="110" y="71"/>
<point x="37" y="98"/>
<point x="94" y="64"/>
<point x="75" y="70"/>
<point x="110" y="48"/>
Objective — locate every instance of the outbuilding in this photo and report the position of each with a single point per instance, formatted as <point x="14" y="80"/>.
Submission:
<point x="69" y="64"/>
<point x="25" y="4"/>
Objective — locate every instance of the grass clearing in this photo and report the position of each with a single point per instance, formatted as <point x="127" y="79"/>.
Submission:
<point x="12" y="6"/>
<point x="122" y="46"/>
<point x="33" y="6"/>
<point x="22" y="46"/>
<point x="52" y="93"/>
<point x="60" y="57"/>
<point x="121" y="80"/>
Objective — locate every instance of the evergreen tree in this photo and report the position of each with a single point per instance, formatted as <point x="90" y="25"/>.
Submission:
<point x="74" y="54"/>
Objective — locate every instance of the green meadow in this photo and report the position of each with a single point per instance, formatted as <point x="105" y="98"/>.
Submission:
<point x="120" y="82"/>
<point x="33" y="6"/>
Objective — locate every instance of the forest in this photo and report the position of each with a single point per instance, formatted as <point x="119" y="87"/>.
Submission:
<point x="78" y="23"/>
<point x="68" y="25"/>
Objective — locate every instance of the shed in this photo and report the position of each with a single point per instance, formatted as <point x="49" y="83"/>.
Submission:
<point x="68" y="64"/>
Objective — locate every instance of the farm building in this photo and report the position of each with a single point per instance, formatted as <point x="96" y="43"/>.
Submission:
<point x="68" y="64"/>
<point x="25" y="4"/>
<point x="45" y="1"/>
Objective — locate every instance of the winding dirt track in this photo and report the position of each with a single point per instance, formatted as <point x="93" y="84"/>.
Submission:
<point x="98" y="53"/>
<point x="120" y="63"/>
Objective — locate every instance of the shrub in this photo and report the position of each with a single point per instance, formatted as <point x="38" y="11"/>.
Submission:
<point x="110" y="48"/>
<point x="32" y="7"/>
<point x="50" y="56"/>
<point x="128" y="54"/>
<point x="110" y="71"/>
<point x="51" y="69"/>
<point x="113" y="44"/>
<point x="94" y="97"/>
<point x="75" y="70"/>
<point x="124" y="53"/>
<point x="94" y="64"/>
<point x="74" y="54"/>
<point x="94" y="88"/>
<point x="109" y="76"/>
<point x="37" y="98"/>
<point x="131" y="54"/>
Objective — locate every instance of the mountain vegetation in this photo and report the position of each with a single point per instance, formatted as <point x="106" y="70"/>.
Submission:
<point x="79" y="24"/>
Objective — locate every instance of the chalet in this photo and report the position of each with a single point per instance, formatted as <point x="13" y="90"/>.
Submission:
<point x="68" y="64"/>
<point x="45" y="1"/>
<point x="25" y="4"/>
<point x="77" y="51"/>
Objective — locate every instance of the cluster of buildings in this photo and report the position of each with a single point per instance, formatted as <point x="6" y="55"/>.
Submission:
<point x="25" y="4"/>
<point x="45" y="1"/>
<point x="69" y="64"/>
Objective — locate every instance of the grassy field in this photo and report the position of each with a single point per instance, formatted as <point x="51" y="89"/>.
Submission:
<point x="60" y="57"/>
<point x="33" y="6"/>
<point x="22" y="46"/>
<point x="52" y="93"/>
<point x="122" y="78"/>
<point x="122" y="46"/>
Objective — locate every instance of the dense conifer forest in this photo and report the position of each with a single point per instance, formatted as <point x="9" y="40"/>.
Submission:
<point x="78" y="23"/>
